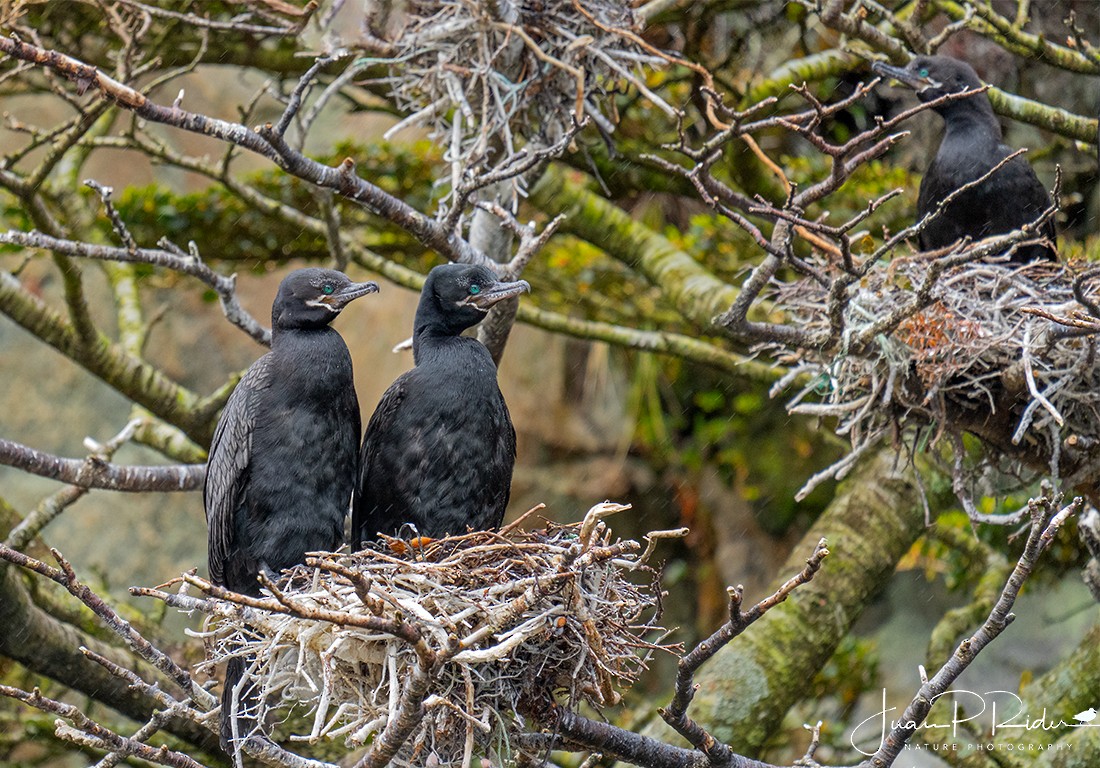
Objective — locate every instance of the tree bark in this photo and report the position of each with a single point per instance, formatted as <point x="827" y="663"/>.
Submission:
<point x="488" y="235"/>
<point x="47" y="646"/>
<point x="1061" y="693"/>
<point x="747" y="688"/>
<point x="695" y="291"/>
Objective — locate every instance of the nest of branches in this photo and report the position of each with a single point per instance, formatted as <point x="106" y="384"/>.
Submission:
<point x="1004" y="351"/>
<point x="478" y="629"/>
<point x="476" y="71"/>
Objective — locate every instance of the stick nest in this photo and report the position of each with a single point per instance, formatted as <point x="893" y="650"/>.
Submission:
<point x="480" y="628"/>
<point x="1008" y="347"/>
<point x="471" y="70"/>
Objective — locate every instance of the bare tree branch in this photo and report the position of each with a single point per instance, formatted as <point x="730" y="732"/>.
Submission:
<point x="264" y="141"/>
<point x="95" y="472"/>
<point x="66" y="577"/>
<point x="676" y="712"/>
<point x="1046" y="521"/>
<point x="97" y="735"/>
<point x="169" y="256"/>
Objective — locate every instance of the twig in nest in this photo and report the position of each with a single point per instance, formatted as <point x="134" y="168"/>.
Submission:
<point x="485" y="627"/>
<point x="934" y="344"/>
<point x="488" y="79"/>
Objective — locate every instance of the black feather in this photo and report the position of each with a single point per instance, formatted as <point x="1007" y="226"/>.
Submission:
<point x="439" y="450"/>
<point x="971" y="146"/>
<point x="282" y="463"/>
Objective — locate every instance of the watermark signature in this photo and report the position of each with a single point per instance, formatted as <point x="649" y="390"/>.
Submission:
<point x="988" y="713"/>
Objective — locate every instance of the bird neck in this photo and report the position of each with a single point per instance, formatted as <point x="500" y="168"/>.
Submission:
<point x="970" y="119"/>
<point x="309" y="364"/>
<point x="284" y="338"/>
<point x="433" y="343"/>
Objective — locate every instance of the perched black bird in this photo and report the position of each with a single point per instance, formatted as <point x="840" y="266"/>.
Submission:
<point x="282" y="463"/>
<point x="1012" y="197"/>
<point x="440" y="447"/>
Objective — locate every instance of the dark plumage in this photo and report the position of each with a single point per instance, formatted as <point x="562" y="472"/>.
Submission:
<point x="971" y="146"/>
<point x="440" y="447"/>
<point x="283" y="459"/>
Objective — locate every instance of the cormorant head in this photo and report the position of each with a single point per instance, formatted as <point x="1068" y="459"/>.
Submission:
<point x="935" y="76"/>
<point x="312" y="297"/>
<point x="457" y="296"/>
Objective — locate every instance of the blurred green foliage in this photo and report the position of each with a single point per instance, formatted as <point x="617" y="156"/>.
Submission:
<point x="691" y="420"/>
<point x="225" y="228"/>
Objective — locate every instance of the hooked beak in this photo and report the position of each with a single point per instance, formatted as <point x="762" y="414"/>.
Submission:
<point x="498" y="291"/>
<point x="904" y="76"/>
<point x="348" y="294"/>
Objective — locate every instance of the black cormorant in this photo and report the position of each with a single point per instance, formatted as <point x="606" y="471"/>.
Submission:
<point x="440" y="447"/>
<point x="1012" y="197"/>
<point x="282" y="463"/>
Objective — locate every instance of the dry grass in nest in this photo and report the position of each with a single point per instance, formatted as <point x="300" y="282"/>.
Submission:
<point x="996" y="337"/>
<point x="480" y="628"/>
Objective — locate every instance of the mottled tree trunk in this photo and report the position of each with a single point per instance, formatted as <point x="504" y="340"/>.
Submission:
<point x="695" y="291"/>
<point x="488" y="235"/>
<point x="1070" y="687"/>
<point x="747" y="688"/>
<point x="47" y="646"/>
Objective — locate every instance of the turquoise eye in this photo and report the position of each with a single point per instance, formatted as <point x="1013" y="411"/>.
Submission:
<point x="327" y="289"/>
<point x="475" y="289"/>
<point x="923" y="72"/>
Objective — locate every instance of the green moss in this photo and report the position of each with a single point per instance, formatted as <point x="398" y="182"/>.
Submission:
<point x="795" y="639"/>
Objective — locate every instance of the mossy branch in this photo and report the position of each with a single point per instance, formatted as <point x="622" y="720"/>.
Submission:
<point x="679" y="345"/>
<point x="1077" y="750"/>
<point x="990" y="24"/>
<point x="166" y="439"/>
<point x="1054" y="119"/>
<point x="1069" y="687"/>
<point x="132" y="377"/>
<point x="132" y="327"/>
<point x="695" y="291"/>
<point x="808" y="69"/>
<point x="747" y="688"/>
